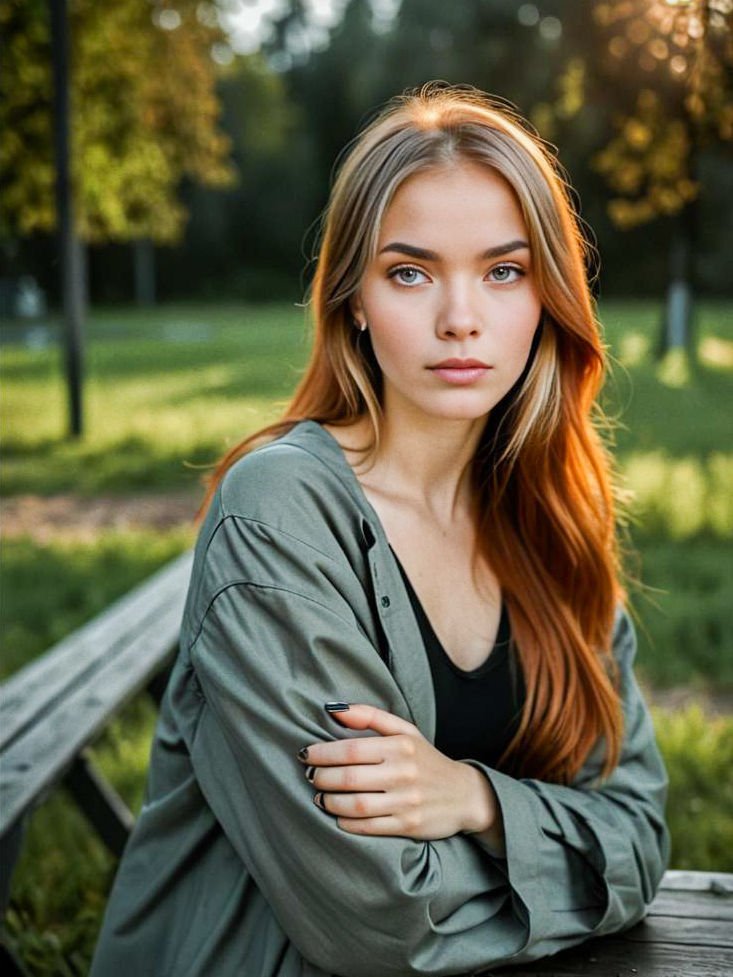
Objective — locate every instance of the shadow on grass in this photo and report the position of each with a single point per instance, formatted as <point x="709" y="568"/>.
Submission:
<point x="133" y="464"/>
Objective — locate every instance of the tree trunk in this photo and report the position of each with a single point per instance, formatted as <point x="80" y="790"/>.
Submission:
<point x="72" y="272"/>
<point x="677" y="318"/>
<point x="144" y="257"/>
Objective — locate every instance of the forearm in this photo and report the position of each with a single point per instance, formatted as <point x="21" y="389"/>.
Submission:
<point x="482" y="814"/>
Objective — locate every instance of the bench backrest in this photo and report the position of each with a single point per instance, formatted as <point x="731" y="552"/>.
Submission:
<point x="51" y="709"/>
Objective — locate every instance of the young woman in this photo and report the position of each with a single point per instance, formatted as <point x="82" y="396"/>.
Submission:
<point x="403" y="734"/>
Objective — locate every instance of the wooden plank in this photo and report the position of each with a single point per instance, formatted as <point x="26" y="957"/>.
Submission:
<point x="690" y="932"/>
<point x="620" y="957"/>
<point x="721" y="882"/>
<point x="45" y="681"/>
<point x="697" y="905"/>
<point x="37" y="759"/>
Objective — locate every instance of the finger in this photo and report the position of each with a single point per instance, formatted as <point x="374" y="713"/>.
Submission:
<point x="356" y="777"/>
<point x="373" y="826"/>
<point x="367" y="749"/>
<point x="357" y="805"/>
<point x="361" y="716"/>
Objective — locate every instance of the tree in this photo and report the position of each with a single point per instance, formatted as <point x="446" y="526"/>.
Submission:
<point x="144" y="115"/>
<point x="663" y="72"/>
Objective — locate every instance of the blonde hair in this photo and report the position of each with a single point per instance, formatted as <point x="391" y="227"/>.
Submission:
<point x="542" y="477"/>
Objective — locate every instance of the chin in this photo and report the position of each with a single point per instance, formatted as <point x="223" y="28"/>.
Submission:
<point x="458" y="412"/>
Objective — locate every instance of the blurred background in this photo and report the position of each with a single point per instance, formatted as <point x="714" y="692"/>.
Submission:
<point x="157" y="232"/>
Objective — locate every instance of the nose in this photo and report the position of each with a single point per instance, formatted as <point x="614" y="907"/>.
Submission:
<point x="459" y="317"/>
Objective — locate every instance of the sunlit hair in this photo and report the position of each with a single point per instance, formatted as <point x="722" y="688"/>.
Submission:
<point x="543" y="478"/>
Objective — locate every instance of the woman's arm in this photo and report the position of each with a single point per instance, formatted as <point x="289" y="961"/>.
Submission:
<point x="266" y="656"/>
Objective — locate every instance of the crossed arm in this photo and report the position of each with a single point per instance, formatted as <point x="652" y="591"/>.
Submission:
<point x="579" y="860"/>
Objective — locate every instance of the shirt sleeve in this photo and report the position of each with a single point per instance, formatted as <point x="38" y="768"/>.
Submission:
<point x="267" y="655"/>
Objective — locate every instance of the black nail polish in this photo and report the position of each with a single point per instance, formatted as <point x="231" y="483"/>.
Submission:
<point x="310" y="773"/>
<point x="303" y="753"/>
<point x="318" y="799"/>
<point x="336" y="706"/>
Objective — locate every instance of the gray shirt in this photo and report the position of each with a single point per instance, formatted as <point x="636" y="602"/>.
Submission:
<point x="295" y="599"/>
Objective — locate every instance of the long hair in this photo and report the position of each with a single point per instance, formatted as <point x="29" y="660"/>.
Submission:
<point x="542" y="475"/>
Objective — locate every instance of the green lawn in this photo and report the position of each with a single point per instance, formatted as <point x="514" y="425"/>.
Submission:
<point x="168" y="391"/>
<point x="164" y="390"/>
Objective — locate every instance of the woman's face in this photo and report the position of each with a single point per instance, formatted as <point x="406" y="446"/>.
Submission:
<point x="433" y="292"/>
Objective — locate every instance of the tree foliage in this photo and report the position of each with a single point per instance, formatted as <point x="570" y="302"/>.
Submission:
<point x="144" y="115"/>
<point x="665" y="70"/>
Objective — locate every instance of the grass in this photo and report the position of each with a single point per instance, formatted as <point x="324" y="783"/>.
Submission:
<point x="168" y="391"/>
<point x="163" y="391"/>
<point x="77" y="579"/>
<point x="60" y="890"/>
<point x="173" y="388"/>
<point x="698" y="753"/>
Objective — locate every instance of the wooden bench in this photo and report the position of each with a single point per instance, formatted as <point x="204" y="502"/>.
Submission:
<point x="54" y="708"/>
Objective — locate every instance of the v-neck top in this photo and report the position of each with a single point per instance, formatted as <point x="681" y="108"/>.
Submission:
<point x="477" y="710"/>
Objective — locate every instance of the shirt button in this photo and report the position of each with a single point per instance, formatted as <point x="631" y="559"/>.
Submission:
<point x="385" y="601"/>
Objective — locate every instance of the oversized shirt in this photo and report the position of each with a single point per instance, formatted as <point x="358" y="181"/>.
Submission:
<point x="295" y="600"/>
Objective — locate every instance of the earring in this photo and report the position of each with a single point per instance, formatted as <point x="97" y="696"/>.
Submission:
<point x="362" y="325"/>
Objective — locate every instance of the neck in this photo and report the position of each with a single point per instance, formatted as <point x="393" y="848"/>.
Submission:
<point x="426" y="461"/>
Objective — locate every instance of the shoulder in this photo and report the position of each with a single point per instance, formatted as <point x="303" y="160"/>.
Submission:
<point x="290" y="490"/>
<point x="266" y="481"/>
<point x="282" y="521"/>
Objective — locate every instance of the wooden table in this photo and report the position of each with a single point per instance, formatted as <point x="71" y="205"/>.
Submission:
<point x="688" y="932"/>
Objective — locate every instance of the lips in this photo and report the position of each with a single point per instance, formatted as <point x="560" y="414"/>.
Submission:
<point x="460" y="372"/>
<point x="456" y="364"/>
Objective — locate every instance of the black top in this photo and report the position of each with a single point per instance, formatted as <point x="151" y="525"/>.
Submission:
<point x="477" y="711"/>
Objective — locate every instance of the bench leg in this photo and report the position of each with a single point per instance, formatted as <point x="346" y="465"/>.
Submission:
<point x="10" y="849"/>
<point x="101" y="804"/>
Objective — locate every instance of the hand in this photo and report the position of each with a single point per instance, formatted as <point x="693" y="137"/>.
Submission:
<point x="396" y="783"/>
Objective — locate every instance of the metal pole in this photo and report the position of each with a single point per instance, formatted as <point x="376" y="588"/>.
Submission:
<point x="71" y="273"/>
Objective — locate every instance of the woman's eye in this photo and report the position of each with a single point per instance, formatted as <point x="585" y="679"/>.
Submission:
<point x="406" y="274"/>
<point x="503" y="269"/>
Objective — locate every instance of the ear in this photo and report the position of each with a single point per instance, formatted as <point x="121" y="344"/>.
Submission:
<point x="356" y="308"/>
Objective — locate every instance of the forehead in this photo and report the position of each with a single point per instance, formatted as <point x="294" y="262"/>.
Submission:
<point x="465" y="197"/>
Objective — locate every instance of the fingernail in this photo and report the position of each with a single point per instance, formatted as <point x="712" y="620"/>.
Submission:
<point x="303" y="753"/>
<point x="336" y="706"/>
<point x="310" y="773"/>
<point x="317" y="800"/>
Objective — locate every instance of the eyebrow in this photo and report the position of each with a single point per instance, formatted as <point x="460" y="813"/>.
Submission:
<point x="414" y="252"/>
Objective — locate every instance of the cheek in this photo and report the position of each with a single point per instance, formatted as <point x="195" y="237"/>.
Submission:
<point x="397" y="338"/>
<point x="393" y="349"/>
<point x="514" y="343"/>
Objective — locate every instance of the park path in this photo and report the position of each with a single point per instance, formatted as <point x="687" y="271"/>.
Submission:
<point x="44" y="518"/>
<point x="68" y="516"/>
